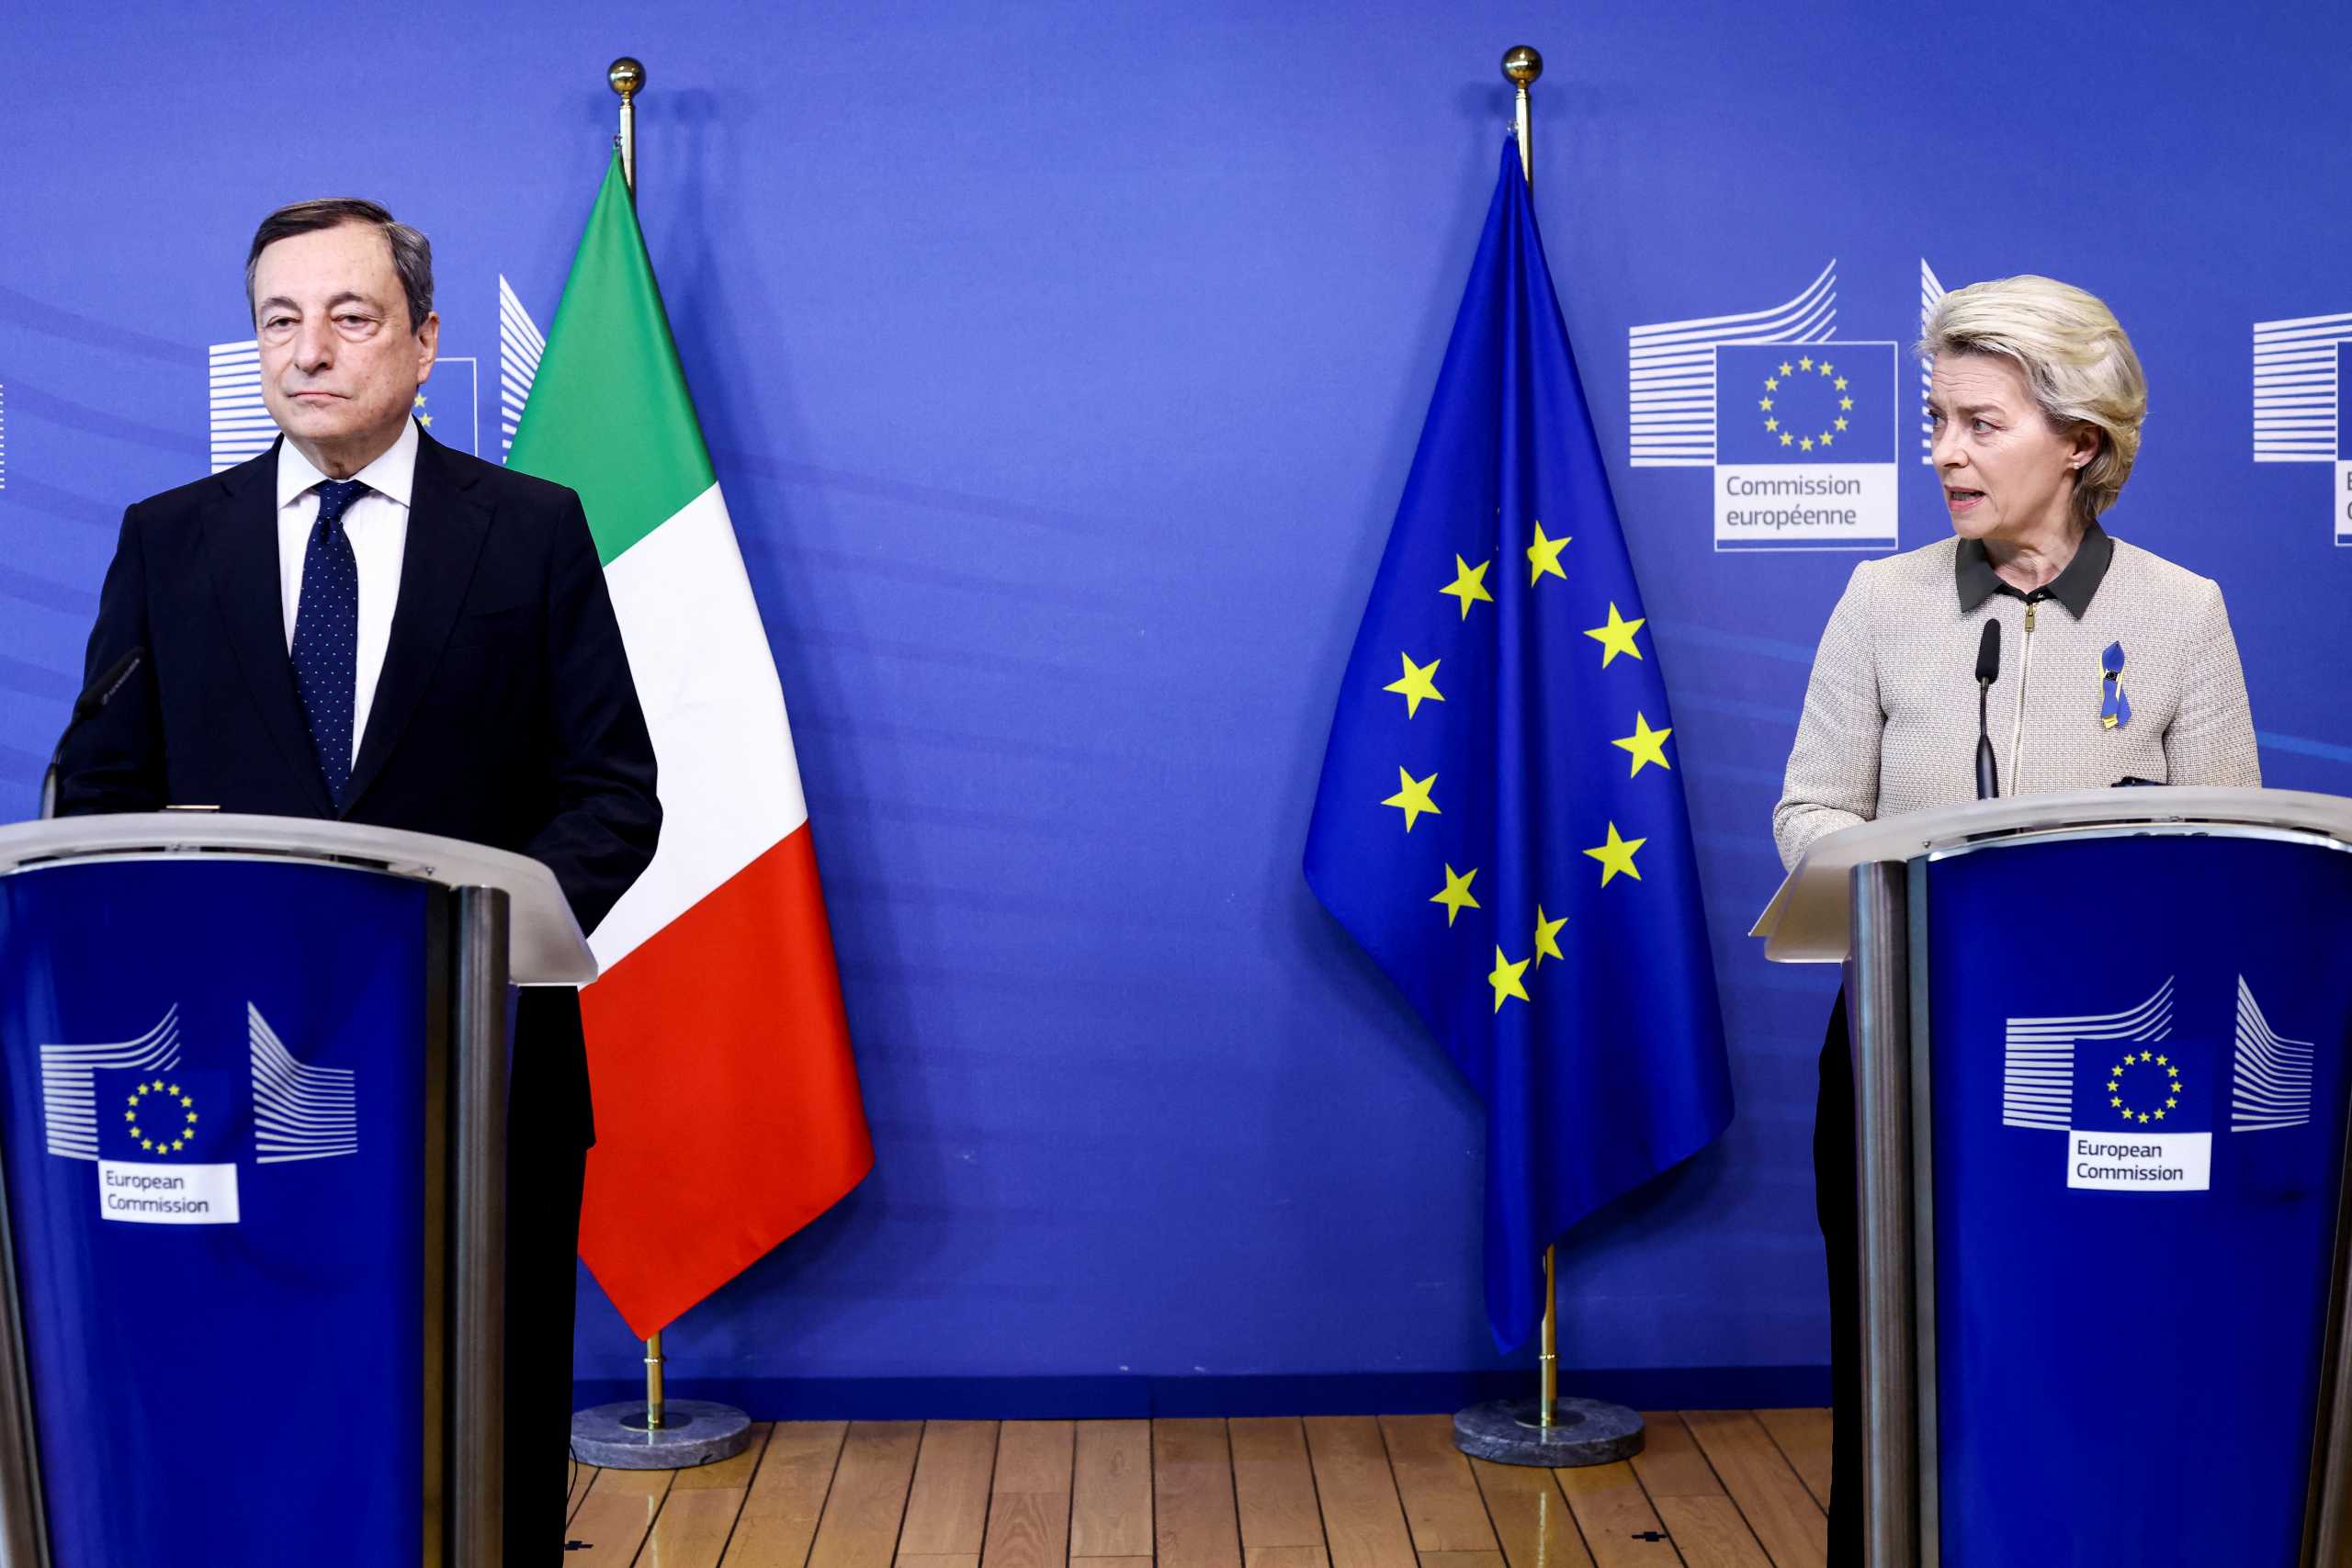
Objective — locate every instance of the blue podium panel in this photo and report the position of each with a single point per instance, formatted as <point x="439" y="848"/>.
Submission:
<point x="212" y="1092"/>
<point x="2139" y="1095"/>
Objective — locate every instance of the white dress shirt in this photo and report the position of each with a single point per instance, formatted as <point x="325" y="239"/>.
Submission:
<point x="377" y="525"/>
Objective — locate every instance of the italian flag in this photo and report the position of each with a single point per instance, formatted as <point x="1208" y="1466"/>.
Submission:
<point x="727" y="1102"/>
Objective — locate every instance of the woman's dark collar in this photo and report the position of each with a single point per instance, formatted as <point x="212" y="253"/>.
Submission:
<point x="2073" y="587"/>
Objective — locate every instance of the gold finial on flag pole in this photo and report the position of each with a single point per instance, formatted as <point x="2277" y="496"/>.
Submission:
<point x="1521" y="65"/>
<point x="627" y="77"/>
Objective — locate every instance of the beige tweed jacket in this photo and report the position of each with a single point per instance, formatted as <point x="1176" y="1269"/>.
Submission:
<point x="1890" y="716"/>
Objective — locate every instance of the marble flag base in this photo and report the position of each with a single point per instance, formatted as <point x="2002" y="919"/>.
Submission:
<point x="693" y="1431"/>
<point x="1583" y="1431"/>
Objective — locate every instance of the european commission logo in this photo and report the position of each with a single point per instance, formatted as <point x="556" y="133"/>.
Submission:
<point x="2139" y="1104"/>
<point x="1797" y="425"/>
<point x="167" y="1134"/>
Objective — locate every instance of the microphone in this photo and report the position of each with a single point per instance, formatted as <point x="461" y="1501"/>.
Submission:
<point x="1988" y="670"/>
<point x="85" y="708"/>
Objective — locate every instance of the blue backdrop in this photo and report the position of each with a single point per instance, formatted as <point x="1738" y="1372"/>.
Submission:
<point x="1063" y="364"/>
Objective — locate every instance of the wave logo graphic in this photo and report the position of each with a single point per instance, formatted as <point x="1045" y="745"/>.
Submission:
<point x="2270" y="1078"/>
<point x="2038" y="1067"/>
<point x="300" y="1111"/>
<point x="1931" y="294"/>
<point x="1798" y="425"/>
<point x="2300" y="367"/>
<point x="520" y="344"/>
<point x="69" y="1092"/>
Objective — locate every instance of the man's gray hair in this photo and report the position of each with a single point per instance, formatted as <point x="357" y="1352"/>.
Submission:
<point x="412" y="251"/>
<point x="2075" y="358"/>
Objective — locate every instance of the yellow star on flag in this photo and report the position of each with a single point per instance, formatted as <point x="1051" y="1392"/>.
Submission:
<point x="1786" y="366"/>
<point x="1771" y="383"/>
<point x="2114" y="1098"/>
<point x="1806" y="444"/>
<point x="1412" y="797"/>
<point x="1771" y="424"/>
<point x="1456" y="897"/>
<point x="1764" y="403"/>
<point x="1617" y="636"/>
<point x="1840" y="383"/>
<point x="1826" y="438"/>
<point x="1646" y="745"/>
<point x="1414" y="685"/>
<point x="1786" y="438"/>
<point x="1469" y="584"/>
<point x="1544" y="556"/>
<point x="1805" y="363"/>
<point x="1845" y="403"/>
<point x="1841" y="422"/>
<point x="1505" y="979"/>
<point x="1616" y="855"/>
<point x="1547" y="936"/>
<point x="1826" y="367"/>
<point x="2160" y="1116"/>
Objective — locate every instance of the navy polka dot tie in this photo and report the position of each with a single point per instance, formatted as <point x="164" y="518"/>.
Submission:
<point x="326" y="635"/>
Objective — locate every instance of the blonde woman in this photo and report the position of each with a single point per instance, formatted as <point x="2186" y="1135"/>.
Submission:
<point x="2116" y="665"/>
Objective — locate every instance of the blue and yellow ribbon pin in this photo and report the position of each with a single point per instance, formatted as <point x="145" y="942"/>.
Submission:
<point x="2114" y="707"/>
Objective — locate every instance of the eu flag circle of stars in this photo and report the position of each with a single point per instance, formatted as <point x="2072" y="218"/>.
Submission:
<point x="1791" y="379"/>
<point x="1416" y="797"/>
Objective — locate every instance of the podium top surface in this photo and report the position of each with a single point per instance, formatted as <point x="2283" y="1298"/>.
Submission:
<point x="1807" y="921"/>
<point x="544" y="943"/>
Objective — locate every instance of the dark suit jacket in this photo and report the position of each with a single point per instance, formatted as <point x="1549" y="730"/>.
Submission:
<point x="504" y="715"/>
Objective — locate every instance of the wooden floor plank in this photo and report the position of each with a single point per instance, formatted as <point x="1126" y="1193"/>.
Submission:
<point x="1285" y="1557"/>
<point x="1109" y="1510"/>
<point x="1710" y="1533"/>
<point x="787" y="1495"/>
<point x="939" y="1560"/>
<point x="947" y="1506"/>
<point x="1442" y="1502"/>
<point x="1670" y="1464"/>
<point x="699" y="1518"/>
<point x="582" y="1475"/>
<point x="1363" y="1522"/>
<point x="1619" y="1525"/>
<point x="1775" y="1503"/>
<point x="1463" y="1558"/>
<point x="1273" y="1487"/>
<point x="860" y="1527"/>
<point x="1804" y="1436"/>
<point x="1191" y="1483"/>
<point x="1110" y="1562"/>
<point x="1029" y="1504"/>
<point x="1530" y="1517"/>
<point x="615" y="1517"/>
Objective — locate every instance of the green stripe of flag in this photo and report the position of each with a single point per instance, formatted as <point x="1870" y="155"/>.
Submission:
<point x="608" y="412"/>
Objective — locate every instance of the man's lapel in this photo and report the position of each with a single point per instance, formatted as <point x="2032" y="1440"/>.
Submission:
<point x="240" y="549"/>
<point x="447" y="525"/>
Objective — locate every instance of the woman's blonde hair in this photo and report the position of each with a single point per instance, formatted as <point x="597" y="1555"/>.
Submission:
<point x="2075" y="357"/>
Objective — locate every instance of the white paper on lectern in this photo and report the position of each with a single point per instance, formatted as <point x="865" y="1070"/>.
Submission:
<point x="544" y="943"/>
<point x="1807" y="921"/>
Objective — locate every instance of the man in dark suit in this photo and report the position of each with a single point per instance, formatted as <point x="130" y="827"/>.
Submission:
<point x="362" y="625"/>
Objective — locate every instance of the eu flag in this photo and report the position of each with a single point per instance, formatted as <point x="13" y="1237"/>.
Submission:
<point x="1499" y="820"/>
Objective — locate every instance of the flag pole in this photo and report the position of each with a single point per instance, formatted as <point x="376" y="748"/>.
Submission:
<point x="627" y="77"/>
<point x="652" y="1436"/>
<point x="1522" y="66"/>
<point x="1538" y="1431"/>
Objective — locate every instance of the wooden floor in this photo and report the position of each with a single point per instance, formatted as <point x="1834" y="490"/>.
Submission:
<point x="1716" y="1489"/>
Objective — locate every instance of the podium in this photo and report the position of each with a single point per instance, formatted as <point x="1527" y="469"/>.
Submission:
<point x="2101" y="1087"/>
<point x="253" y="1123"/>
